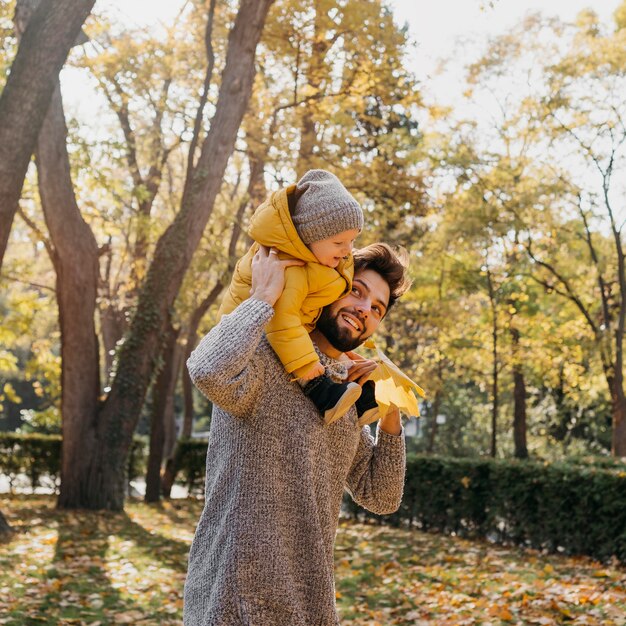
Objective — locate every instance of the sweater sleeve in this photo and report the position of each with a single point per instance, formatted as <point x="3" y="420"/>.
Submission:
<point x="376" y="478"/>
<point x="222" y="365"/>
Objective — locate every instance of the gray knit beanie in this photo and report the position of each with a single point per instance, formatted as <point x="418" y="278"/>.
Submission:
<point x="324" y="207"/>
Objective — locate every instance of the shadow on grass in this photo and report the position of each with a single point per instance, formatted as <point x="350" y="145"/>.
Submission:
<point x="79" y="582"/>
<point x="172" y="553"/>
<point x="105" y="568"/>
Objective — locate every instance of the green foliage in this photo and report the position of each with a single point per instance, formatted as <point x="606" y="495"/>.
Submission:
<point x="333" y="89"/>
<point x="191" y="463"/>
<point x="577" y="508"/>
<point x="8" y="42"/>
<point x="39" y="456"/>
<point x="34" y="455"/>
<point x="29" y="359"/>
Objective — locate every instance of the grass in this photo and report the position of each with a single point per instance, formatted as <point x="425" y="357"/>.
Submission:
<point x="83" y="567"/>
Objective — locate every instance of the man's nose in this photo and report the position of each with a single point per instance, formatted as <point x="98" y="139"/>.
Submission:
<point x="364" y="307"/>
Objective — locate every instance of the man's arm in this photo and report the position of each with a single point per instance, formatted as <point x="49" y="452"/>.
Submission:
<point x="222" y="366"/>
<point x="376" y="478"/>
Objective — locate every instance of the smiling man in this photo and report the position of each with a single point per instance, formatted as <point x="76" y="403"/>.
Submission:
<point x="262" y="554"/>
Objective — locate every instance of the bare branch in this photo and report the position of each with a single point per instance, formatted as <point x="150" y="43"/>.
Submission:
<point x="208" y="43"/>
<point x="121" y="111"/>
<point x="28" y="282"/>
<point x="596" y="262"/>
<point x="40" y="234"/>
<point x="568" y="293"/>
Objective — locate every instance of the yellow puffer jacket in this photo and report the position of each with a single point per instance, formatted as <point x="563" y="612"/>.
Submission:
<point x="308" y="288"/>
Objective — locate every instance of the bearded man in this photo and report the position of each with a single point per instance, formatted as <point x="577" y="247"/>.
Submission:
<point x="262" y="554"/>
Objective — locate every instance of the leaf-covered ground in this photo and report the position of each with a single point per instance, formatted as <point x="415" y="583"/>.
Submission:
<point x="129" y="568"/>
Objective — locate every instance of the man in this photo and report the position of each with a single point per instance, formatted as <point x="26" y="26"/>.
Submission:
<point x="262" y="554"/>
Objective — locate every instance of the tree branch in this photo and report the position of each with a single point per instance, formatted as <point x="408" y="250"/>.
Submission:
<point x="208" y="43"/>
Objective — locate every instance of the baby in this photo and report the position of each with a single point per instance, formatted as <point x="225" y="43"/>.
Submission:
<point x="317" y="221"/>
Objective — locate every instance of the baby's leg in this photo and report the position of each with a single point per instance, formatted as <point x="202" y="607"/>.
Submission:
<point x="366" y="405"/>
<point x="333" y="400"/>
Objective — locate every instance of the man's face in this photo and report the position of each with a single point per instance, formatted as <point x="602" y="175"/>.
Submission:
<point x="348" y="322"/>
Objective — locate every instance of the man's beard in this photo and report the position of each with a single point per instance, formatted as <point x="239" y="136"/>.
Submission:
<point x="340" y="338"/>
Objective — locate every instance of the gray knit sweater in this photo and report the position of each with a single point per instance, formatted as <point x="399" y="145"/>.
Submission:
<point x="262" y="554"/>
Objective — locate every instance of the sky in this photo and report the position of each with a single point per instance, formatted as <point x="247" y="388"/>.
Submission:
<point x="438" y="26"/>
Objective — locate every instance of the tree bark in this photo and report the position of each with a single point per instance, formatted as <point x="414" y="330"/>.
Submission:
<point x="112" y="325"/>
<point x="76" y="263"/>
<point x="618" y="414"/>
<point x="160" y="395"/>
<point x="434" y="426"/>
<point x="171" y="446"/>
<point x="103" y="481"/>
<point x="170" y="414"/>
<point x="5" y="529"/>
<point x="255" y="194"/>
<point x="494" y="376"/>
<point x="171" y="466"/>
<point x="46" y="41"/>
<point x="519" y="400"/>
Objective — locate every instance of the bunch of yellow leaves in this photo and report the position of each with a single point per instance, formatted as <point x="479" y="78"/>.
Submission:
<point x="393" y="386"/>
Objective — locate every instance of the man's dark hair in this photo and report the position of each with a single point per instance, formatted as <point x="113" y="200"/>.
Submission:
<point x="389" y="263"/>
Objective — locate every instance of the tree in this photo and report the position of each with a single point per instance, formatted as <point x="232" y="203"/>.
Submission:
<point x="573" y="100"/>
<point x="5" y="528"/>
<point x="101" y="483"/>
<point x="52" y="31"/>
<point x="296" y="101"/>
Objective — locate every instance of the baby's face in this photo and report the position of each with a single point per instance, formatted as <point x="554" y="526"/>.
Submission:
<point x="330" y="251"/>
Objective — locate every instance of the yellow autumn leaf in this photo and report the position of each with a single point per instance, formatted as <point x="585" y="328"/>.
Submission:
<point x="393" y="387"/>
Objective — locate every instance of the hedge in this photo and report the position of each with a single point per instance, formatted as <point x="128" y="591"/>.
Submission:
<point x="571" y="508"/>
<point x="39" y="456"/>
<point x="574" y="507"/>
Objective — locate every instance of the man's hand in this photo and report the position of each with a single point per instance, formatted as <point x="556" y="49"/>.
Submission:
<point x="391" y="423"/>
<point x="360" y="369"/>
<point x="268" y="274"/>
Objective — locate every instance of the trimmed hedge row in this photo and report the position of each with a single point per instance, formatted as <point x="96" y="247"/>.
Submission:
<point x="39" y="456"/>
<point x="571" y="508"/>
<point x="34" y="455"/>
<point x="577" y="508"/>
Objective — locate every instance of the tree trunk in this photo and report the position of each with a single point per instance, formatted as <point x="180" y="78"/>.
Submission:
<point x="170" y="414"/>
<point x="160" y="395"/>
<point x="618" y="414"/>
<point x="103" y="482"/>
<point x="255" y="194"/>
<point x="171" y="466"/>
<point x="5" y="530"/>
<point x="434" y="426"/>
<point x="112" y="326"/>
<point x="45" y="43"/>
<point x="494" y="378"/>
<point x="519" y="399"/>
<point x="76" y="264"/>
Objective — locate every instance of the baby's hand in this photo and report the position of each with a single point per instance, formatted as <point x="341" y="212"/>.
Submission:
<point x="317" y="369"/>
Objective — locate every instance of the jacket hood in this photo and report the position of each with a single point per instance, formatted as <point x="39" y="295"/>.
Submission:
<point x="272" y="226"/>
